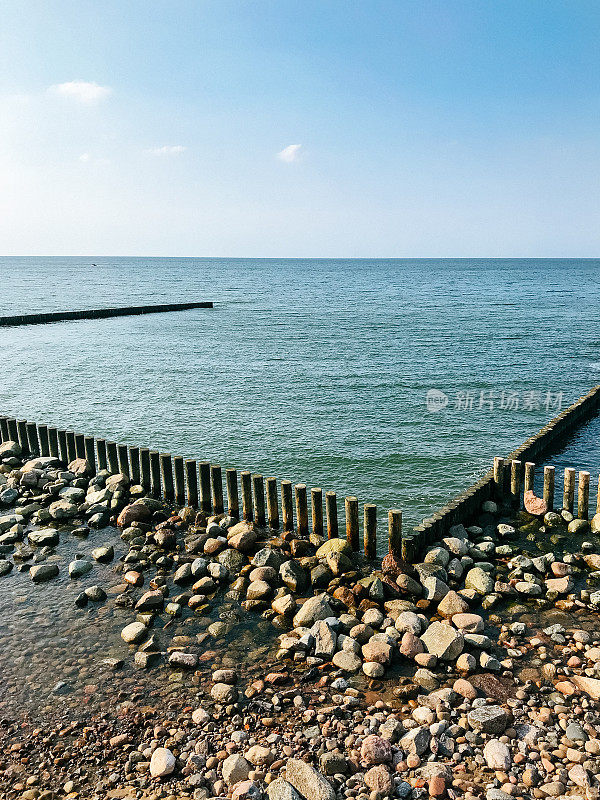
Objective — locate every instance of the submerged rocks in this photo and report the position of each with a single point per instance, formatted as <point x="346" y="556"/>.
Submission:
<point x="43" y="572"/>
<point x="134" y="632"/>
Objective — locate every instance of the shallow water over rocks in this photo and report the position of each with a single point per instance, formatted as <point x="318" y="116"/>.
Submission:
<point x="53" y="654"/>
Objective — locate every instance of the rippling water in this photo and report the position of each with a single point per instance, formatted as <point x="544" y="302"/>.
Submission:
<point x="312" y="370"/>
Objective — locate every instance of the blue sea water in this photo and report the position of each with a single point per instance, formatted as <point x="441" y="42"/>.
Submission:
<point x="311" y="370"/>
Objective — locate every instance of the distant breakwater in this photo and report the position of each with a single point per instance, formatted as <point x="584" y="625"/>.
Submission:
<point x="98" y="313"/>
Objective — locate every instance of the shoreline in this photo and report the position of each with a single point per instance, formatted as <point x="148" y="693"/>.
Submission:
<point x="428" y="648"/>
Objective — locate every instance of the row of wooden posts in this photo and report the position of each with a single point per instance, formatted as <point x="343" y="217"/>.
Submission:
<point x="200" y="485"/>
<point x="512" y="479"/>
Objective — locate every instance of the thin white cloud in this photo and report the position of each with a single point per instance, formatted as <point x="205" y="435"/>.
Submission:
<point x="82" y="91"/>
<point x="289" y="153"/>
<point x="87" y="158"/>
<point x="166" y="150"/>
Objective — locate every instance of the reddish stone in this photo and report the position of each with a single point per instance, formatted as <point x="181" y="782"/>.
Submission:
<point x="344" y="595"/>
<point x="375" y="750"/>
<point x="133" y="578"/>
<point x="534" y="505"/>
<point x="411" y="645"/>
<point x="135" y="512"/>
<point x="393" y="565"/>
<point x="437" y="786"/>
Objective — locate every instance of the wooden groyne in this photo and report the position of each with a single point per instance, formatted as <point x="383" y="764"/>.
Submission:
<point x="284" y="506"/>
<point x="200" y="485"/>
<point x="506" y="476"/>
<point x="98" y="313"/>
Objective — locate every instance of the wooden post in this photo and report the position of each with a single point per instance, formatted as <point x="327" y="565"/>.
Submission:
<point x="233" y="498"/>
<point x="134" y="465"/>
<point x="32" y="439"/>
<point x="370" y="530"/>
<point x="549" y="487"/>
<point x="516" y="478"/>
<point x="145" y="474"/>
<point x="217" y="489"/>
<point x="352" y="533"/>
<point x="316" y="503"/>
<point x="499" y="477"/>
<point x="287" y="511"/>
<point x="529" y="476"/>
<point x="112" y="458"/>
<point x="301" y="509"/>
<point x="410" y="548"/>
<point x="123" y="458"/>
<point x="13" y="432"/>
<point x="101" y="454"/>
<point x="62" y="446"/>
<point x="53" y="442"/>
<point x="569" y="490"/>
<point x="71" y="451"/>
<point x="205" y="494"/>
<point x="43" y="440"/>
<point x="258" y="488"/>
<point x="395" y="532"/>
<point x="155" y="484"/>
<point x="272" y="504"/>
<point x="246" y="483"/>
<point x="80" y="445"/>
<point x="598" y="497"/>
<point x="583" y="495"/>
<point x="22" y="435"/>
<point x="179" y="480"/>
<point x="4" y="435"/>
<point x="166" y="471"/>
<point x="90" y="456"/>
<point x="333" y="530"/>
<point x="191" y="477"/>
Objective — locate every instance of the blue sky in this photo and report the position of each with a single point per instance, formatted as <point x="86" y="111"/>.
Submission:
<point x="300" y="128"/>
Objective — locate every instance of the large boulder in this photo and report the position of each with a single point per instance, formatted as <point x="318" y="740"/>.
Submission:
<point x="135" y="512"/>
<point x="306" y="780"/>
<point x="10" y="449"/>
<point x="313" y="609"/>
<point x="162" y="762"/>
<point x="443" y="641"/>
<point x="334" y="546"/>
<point x="479" y="580"/>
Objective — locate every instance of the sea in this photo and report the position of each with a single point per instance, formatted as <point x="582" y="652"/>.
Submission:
<point x="393" y="380"/>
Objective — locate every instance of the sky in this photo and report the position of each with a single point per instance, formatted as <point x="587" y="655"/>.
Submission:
<point x="300" y="128"/>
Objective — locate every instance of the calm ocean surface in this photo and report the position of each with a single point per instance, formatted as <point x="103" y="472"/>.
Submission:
<point x="312" y="370"/>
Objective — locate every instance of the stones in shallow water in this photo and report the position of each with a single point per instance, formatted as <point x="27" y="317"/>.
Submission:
<point x="134" y="632"/>
<point x="104" y="554"/>
<point x="45" y="537"/>
<point x="79" y="568"/>
<point x="43" y="572"/>
<point x="5" y="567"/>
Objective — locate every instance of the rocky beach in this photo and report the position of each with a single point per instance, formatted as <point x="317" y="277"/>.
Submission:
<point x="151" y="651"/>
